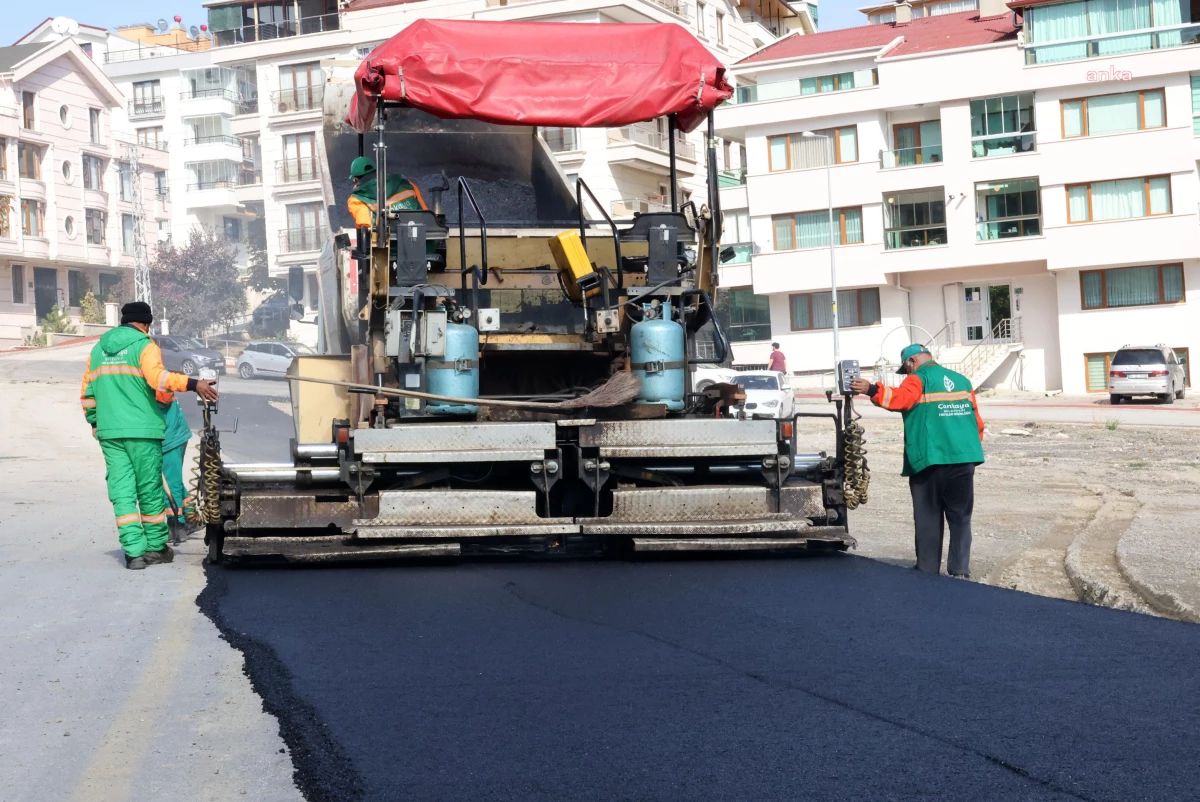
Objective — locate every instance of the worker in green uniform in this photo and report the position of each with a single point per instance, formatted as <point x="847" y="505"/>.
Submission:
<point x="401" y="193"/>
<point x="124" y="389"/>
<point x="175" y="441"/>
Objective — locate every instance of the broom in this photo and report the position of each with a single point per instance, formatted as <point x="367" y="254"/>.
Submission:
<point x="619" y="389"/>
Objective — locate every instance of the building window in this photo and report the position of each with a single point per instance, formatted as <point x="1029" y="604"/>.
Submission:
<point x="700" y="9"/>
<point x="160" y="183"/>
<point x="839" y="82"/>
<point x="3" y="159"/>
<point x="915" y="143"/>
<point x="300" y="87"/>
<point x="29" y="161"/>
<point x="95" y="222"/>
<point x="6" y="205"/>
<point x="747" y="317"/>
<point x="1005" y="209"/>
<point x="299" y="158"/>
<point x="303" y="231"/>
<point x="28" y="101"/>
<point x="720" y="28"/>
<point x="75" y="284"/>
<point x="233" y="229"/>
<point x="814" y="310"/>
<point x="1118" y="200"/>
<point x="1196" y="104"/>
<point x="93" y="172"/>
<point x="128" y="236"/>
<point x="94" y="126"/>
<point x="1110" y="114"/>
<point x="33" y="218"/>
<point x="953" y="7"/>
<point x="147" y="98"/>
<point x="1096" y="367"/>
<point x="1002" y="125"/>
<point x="110" y="287"/>
<point x="152" y="137"/>
<point x="18" y="284"/>
<point x="737" y="235"/>
<point x="799" y="152"/>
<point x="915" y="218"/>
<point x="1131" y="286"/>
<point x="211" y="175"/>
<point x="1104" y="28"/>
<point x="811" y="229"/>
<point x="86" y="47"/>
<point x="127" y="182"/>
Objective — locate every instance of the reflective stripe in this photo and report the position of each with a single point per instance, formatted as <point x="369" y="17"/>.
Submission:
<point x="128" y="519"/>
<point x="887" y="396"/>
<point x="162" y="381"/>
<point x="933" y="398"/>
<point x="88" y="403"/>
<point x="155" y="519"/>
<point x="114" y="370"/>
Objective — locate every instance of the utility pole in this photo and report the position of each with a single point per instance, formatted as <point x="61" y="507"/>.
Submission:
<point x="141" y="260"/>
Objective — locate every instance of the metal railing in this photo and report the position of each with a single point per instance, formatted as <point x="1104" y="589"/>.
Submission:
<point x="943" y="339"/>
<point x="289" y="171"/>
<point x="731" y="178"/>
<point x="1139" y="41"/>
<point x="157" y="51"/>
<point x="1009" y="228"/>
<point x="1003" y="144"/>
<point x="631" y="206"/>
<point x="301" y="98"/>
<point x="1002" y="337"/>
<point x="214" y="139"/>
<point x="910" y="157"/>
<point x="145" y="109"/>
<point x="249" y="176"/>
<point x="651" y="137"/>
<point x="265" y="31"/>
<point x="223" y="183"/>
<point x="247" y="105"/>
<point x="560" y="140"/>
<point x="201" y="94"/>
<point x="298" y="240"/>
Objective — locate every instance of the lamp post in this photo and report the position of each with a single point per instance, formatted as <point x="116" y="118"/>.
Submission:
<point x="837" y="353"/>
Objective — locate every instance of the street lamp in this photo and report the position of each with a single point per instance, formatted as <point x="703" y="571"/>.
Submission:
<point x="837" y="354"/>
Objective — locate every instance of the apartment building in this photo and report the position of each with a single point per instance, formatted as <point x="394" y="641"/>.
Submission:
<point x="1015" y="185"/>
<point x="72" y="188"/>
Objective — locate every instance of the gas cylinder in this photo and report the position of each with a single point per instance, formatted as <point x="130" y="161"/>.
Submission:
<point x="657" y="344"/>
<point x="457" y="373"/>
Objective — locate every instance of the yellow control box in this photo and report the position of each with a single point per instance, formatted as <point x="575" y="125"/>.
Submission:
<point x="579" y="277"/>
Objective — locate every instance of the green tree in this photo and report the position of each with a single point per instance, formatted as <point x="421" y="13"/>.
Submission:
<point x="90" y="310"/>
<point x="258" y="275"/>
<point x="55" y="322"/>
<point x="196" y="287"/>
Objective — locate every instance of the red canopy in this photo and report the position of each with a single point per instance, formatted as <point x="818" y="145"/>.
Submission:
<point x="568" y="74"/>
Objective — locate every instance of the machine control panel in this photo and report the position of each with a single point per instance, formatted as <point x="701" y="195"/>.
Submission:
<point x="489" y="319"/>
<point x="848" y="371"/>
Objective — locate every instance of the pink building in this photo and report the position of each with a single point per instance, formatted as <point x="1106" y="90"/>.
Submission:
<point x="74" y="196"/>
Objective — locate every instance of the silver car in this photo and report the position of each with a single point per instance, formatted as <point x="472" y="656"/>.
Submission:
<point x="268" y="359"/>
<point x="1146" y="370"/>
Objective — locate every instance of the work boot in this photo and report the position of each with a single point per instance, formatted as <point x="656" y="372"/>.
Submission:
<point x="164" y="555"/>
<point x="135" y="563"/>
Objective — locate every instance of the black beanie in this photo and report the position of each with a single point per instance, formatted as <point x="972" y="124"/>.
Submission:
<point x="136" y="312"/>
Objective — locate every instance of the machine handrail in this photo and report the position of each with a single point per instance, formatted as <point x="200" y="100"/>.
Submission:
<point x="481" y="277"/>
<point x="581" y="187"/>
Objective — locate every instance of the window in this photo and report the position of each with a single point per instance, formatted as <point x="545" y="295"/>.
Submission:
<point x="839" y="82"/>
<point x="212" y="174"/>
<point x="94" y="222"/>
<point x="1099" y="28"/>
<point x="811" y="229"/>
<point x="233" y="229"/>
<point x="64" y="115"/>
<point x="915" y="218"/>
<point x="953" y="7"/>
<point x="1002" y="125"/>
<point x="33" y="218"/>
<point x="915" y="143"/>
<point x="86" y="47"/>
<point x="1118" y="200"/>
<point x="746" y="316"/>
<point x="814" y="310"/>
<point x="94" y="126"/>
<point x="1110" y="114"/>
<point x="1196" y="104"/>
<point x="304" y="228"/>
<point x="1096" y="367"/>
<point x="700" y="10"/>
<point x="18" y="284"/>
<point x="299" y="162"/>
<point x="799" y="152"/>
<point x="1005" y="209"/>
<point x="127" y="181"/>
<point x="1131" y="286"/>
<point x="69" y="226"/>
<point x="300" y="86"/>
<point x="128" y="235"/>
<point x="110" y="287"/>
<point x="737" y="235"/>
<point x="28" y="101"/>
<point x="152" y="137"/>
<point x="3" y="159"/>
<point x="29" y="161"/>
<point x="93" y="172"/>
<point x="147" y="98"/>
<point x="720" y="28"/>
<point x="160" y="183"/>
<point x="75" y="284"/>
<point x="6" y="205"/>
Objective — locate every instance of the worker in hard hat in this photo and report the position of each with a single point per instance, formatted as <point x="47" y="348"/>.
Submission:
<point x="402" y="194"/>
<point x="124" y="389"/>
<point x="175" y="440"/>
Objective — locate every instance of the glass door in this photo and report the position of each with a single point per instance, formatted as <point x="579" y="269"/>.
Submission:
<point x="907" y="140"/>
<point x="974" y="314"/>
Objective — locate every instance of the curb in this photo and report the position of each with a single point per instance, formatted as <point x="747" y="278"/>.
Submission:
<point x="1089" y="587"/>
<point x="23" y="350"/>
<point x="1163" y="601"/>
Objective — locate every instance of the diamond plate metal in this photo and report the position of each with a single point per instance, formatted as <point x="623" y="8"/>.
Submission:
<point x="701" y="503"/>
<point x="401" y="532"/>
<point x="455" y="442"/>
<point x="296" y="511"/>
<point x="694" y="529"/>
<point x="802" y="500"/>
<point x="681" y="438"/>
<point x="455" y="507"/>
<point x="719" y="544"/>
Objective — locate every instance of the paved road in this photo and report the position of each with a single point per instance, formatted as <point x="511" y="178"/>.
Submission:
<point x="821" y="679"/>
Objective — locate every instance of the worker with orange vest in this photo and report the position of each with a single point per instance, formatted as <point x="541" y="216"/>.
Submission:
<point x="401" y="193"/>
<point x="124" y="395"/>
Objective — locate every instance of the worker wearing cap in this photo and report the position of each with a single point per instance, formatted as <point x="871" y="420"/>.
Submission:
<point x="943" y="442"/>
<point x="401" y="193"/>
<point x="125" y="389"/>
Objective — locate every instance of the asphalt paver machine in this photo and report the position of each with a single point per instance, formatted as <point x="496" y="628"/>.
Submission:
<point x="508" y="371"/>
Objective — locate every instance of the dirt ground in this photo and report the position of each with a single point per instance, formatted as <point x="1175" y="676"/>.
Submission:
<point x="1051" y="503"/>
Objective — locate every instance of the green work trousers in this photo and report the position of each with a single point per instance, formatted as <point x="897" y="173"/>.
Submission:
<point x="135" y="488"/>
<point x="172" y="468"/>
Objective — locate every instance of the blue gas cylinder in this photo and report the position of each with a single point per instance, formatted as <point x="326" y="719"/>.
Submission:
<point x="657" y="352"/>
<point x="457" y="373"/>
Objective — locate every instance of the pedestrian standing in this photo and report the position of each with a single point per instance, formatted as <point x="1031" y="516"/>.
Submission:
<point x="777" y="360"/>
<point x="943" y="442"/>
<point x="175" y="440"/>
<point x="124" y="389"/>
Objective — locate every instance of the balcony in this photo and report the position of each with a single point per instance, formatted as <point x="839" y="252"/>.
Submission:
<point x="910" y="157"/>
<point x="1009" y="228"/>
<point x="1123" y="43"/>
<point x="731" y="178"/>
<point x="294" y="171"/>
<point x="301" y="240"/>
<point x="146" y="109"/>
<point x="141" y="51"/>
<point x="213" y="139"/>
<point x="302" y="98"/>
<point x="247" y="105"/>
<point x="644" y="147"/>
<point x="209" y="102"/>
<point x="629" y="207"/>
<point x="249" y="176"/>
<point x="266" y="31"/>
<point x="984" y="147"/>
<point x="803" y="87"/>
<point x="215" y="194"/>
<point x="560" y="140"/>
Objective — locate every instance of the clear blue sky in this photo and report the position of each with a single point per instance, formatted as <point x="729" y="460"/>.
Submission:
<point x="20" y="16"/>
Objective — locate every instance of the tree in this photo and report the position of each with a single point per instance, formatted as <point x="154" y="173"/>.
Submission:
<point x="90" y="310"/>
<point x="55" y="322"/>
<point x="258" y="276"/>
<point x="196" y="287"/>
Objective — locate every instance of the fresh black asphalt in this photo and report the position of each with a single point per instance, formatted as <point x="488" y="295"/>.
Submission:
<point x="836" y="678"/>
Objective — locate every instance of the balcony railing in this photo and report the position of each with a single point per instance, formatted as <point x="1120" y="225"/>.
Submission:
<point x="1030" y="226"/>
<point x="265" y="31"/>
<point x="1003" y="144"/>
<point x="146" y="109"/>
<point x="652" y="138"/>
<point x="302" y="98"/>
<point x="156" y="51"/>
<point x="290" y="171"/>
<point x="560" y="140"/>
<point x="910" y="157"/>
<point x="630" y="206"/>
<point x="249" y="176"/>
<point x="1122" y="43"/>
<point x="223" y="183"/>
<point x="742" y="251"/>
<point x="248" y="105"/>
<point x="214" y="139"/>
<point x="298" y="240"/>
<point x="200" y="94"/>
<point x="731" y="178"/>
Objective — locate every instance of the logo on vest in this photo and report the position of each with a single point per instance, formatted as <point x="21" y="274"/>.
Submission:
<point x="949" y="384"/>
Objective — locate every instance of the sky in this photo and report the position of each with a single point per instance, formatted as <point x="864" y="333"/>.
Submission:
<point x="21" y="16"/>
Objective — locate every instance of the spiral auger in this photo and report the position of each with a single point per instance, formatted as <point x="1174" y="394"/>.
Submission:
<point x="206" y="474"/>
<point x="858" y="475"/>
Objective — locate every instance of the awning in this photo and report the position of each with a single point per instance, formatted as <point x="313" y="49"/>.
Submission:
<point x="575" y="75"/>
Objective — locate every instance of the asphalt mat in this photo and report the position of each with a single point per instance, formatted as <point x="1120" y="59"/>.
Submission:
<point x="817" y="679"/>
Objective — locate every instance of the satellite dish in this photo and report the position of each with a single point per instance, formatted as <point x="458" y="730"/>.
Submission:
<point x="162" y="26"/>
<point x="60" y="25"/>
<point x="72" y="27"/>
<point x="194" y="32"/>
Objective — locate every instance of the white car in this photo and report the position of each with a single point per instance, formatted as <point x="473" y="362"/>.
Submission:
<point x="705" y="376"/>
<point x="268" y="358"/>
<point x="769" y="394"/>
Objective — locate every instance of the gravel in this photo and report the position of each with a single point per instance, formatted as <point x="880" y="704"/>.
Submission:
<point x="502" y="201"/>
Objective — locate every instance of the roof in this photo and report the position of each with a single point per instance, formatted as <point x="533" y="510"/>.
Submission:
<point x="1019" y="4"/>
<point x="364" y="5"/>
<point x="924" y="35"/>
<point x="15" y="54"/>
<point x="51" y="19"/>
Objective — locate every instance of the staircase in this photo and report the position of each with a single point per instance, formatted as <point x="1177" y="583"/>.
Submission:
<point x="980" y="360"/>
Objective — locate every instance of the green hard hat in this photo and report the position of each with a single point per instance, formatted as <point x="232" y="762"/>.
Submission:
<point x="361" y="166"/>
<point x="909" y="352"/>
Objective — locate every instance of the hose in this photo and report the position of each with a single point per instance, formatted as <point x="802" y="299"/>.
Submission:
<point x="206" y="474"/>
<point x="858" y="475"/>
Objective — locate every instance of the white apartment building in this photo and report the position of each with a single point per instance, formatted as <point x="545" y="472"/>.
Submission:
<point x="72" y="188"/>
<point x="1016" y="186"/>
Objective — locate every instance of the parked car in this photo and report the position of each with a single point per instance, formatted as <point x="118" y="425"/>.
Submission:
<point x="268" y="359"/>
<point x="188" y="355"/>
<point x="769" y="394"/>
<point x="707" y="375"/>
<point x="1146" y="370"/>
